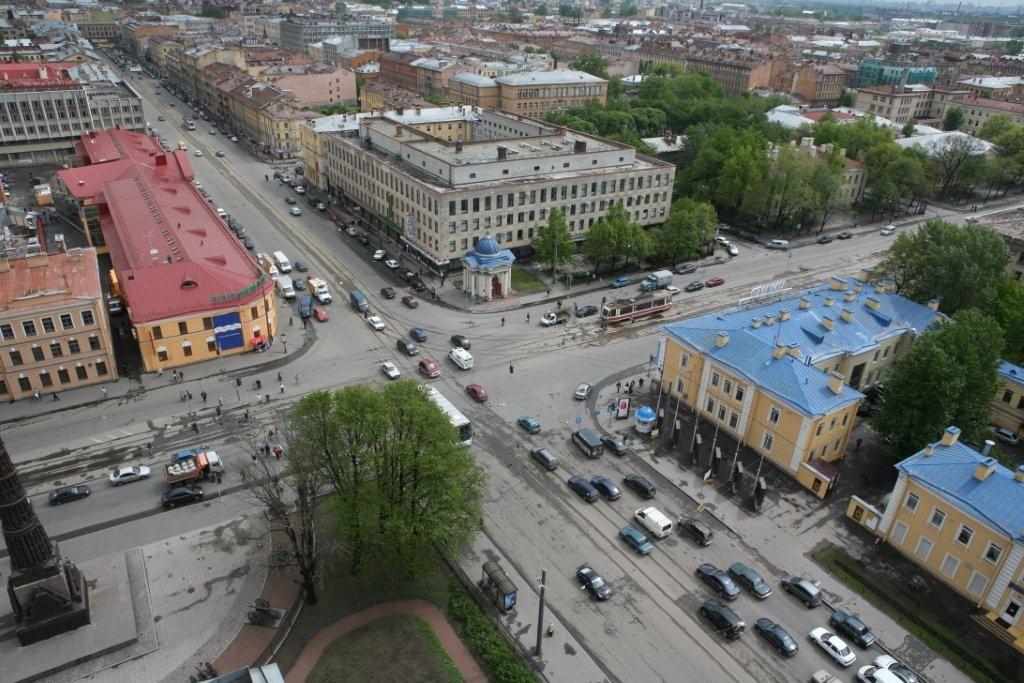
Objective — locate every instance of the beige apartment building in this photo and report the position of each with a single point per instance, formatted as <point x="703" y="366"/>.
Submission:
<point x="820" y="85"/>
<point x="1010" y="226"/>
<point x="535" y="93"/>
<point x="902" y="104"/>
<point x="53" y="324"/>
<point x="473" y="89"/>
<point x="314" y="85"/>
<point x="978" y="110"/>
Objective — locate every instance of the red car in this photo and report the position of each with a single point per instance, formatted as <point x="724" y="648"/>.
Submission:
<point x="477" y="392"/>
<point x="714" y="282"/>
<point x="320" y="314"/>
<point x="410" y="301"/>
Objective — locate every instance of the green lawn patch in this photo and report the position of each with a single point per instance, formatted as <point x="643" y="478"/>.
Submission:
<point x="914" y="616"/>
<point x="525" y="282"/>
<point x="400" y="647"/>
<point x="483" y="639"/>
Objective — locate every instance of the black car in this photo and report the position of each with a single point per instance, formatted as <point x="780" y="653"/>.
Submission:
<point x="298" y="284"/>
<point x="694" y="286"/>
<point x="585" y="311"/>
<point x="363" y="239"/>
<point x="388" y="292"/>
<point x="289" y="199"/>
<point x="777" y="637"/>
<point x="583" y="488"/>
<point x="249" y="244"/>
<point x="593" y="582"/>
<point x="750" y="579"/>
<point x="700" y="532"/>
<point x="418" y="334"/>
<point x="718" y="581"/>
<point x="459" y="340"/>
<point x="850" y="625"/>
<point x="301" y="266"/>
<point x="639" y="485"/>
<point x="804" y="589"/>
<point x="407" y="347"/>
<point x="181" y="495"/>
<point x="686" y="270"/>
<point x="406" y="275"/>
<point x="614" y="443"/>
<point x="417" y="285"/>
<point x="66" y="494"/>
<point x="726" y="622"/>
<point x="305" y="306"/>
<point x="825" y="239"/>
<point x="606" y="487"/>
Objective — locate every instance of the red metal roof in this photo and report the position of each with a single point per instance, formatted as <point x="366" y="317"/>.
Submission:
<point x="112" y="153"/>
<point x="74" y="274"/>
<point x="30" y="74"/>
<point x="114" y="143"/>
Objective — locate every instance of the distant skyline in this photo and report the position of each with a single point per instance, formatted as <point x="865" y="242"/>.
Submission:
<point x="943" y="5"/>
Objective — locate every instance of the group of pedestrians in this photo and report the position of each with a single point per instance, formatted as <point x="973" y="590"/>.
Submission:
<point x="629" y="386"/>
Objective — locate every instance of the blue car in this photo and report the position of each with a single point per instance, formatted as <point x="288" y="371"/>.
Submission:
<point x="530" y="424"/>
<point x="418" y="334"/>
<point x="635" y="540"/>
<point x="621" y="281"/>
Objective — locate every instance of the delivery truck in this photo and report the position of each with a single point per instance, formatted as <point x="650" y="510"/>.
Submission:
<point x="189" y="465"/>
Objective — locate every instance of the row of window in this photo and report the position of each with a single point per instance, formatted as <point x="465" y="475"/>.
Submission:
<point x="45" y="378"/>
<point x="56" y="350"/>
<point x="30" y="328"/>
<point x="1008" y="398"/>
<point x="964" y="534"/>
<point x="950" y="564"/>
<point x="531" y="197"/>
<point x="158" y="332"/>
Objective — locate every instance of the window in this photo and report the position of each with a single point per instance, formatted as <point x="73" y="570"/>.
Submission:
<point x="949" y="565"/>
<point x="183" y="327"/>
<point x="721" y="411"/>
<point x="73" y="346"/>
<point x="157" y="332"/>
<point x="63" y="376"/>
<point x="30" y="327"/>
<point x="55" y="350"/>
<point x="938" y="518"/>
<point x="773" y="415"/>
<point x="734" y="419"/>
<point x="683" y="360"/>
<point x="1007" y="396"/>
<point x="715" y="379"/>
<point x="45" y="378"/>
<point x="711" y="405"/>
<point x="254" y="313"/>
<point x="161" y="355"/>
<point x="16" y="357"/>
<point x="24" y="384"/>
<point x="66" y="321"/>
<point x="767" y="441"/>
<point x="81" y="373"/>
<point x="963" y="537"/>
<point x="912" y="500"/>
<point x="94" y="342"/>
<point x="977" y="584"/>
<point x="739" y="393"/>
<point x="845" y="418"/>
<point x="87" y="318"/>
<point x="37" y="354"/>
<point x="211" y="346"/>
<point x="207" y="323"/>
<point x="186" y="348"/>
<point x="727" y="386"/>
<point x="924" y="547"/>
<point x="101" y="368"/>
<point x="679" y="386"/>
<point x="48" y="327"/>
<point x="993" y="552"/>
<point x="6" y="331"/>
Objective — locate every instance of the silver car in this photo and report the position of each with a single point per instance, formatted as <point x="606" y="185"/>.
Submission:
<point x="581" y="393"/>
<point x="124" y="475"/>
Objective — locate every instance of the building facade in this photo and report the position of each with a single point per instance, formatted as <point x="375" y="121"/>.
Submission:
<point x="1008" y="404"/>
<point x="53" y="324"/>
<point x="978" y="110"/>
<point x="298" y="32"/>
<point x="474" y="90"/>
<point x="820" y="85"/>
<point x="783" y="378"/>
<point x="448" y="176"/>
<point x="902" y="105"/>
<point x="1010" y="226"/>
<point x="535" y="93"/>
<point x="873" y="72"/>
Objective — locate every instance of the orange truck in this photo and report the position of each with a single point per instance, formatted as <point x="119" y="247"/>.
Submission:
<point x="192" y="464"/>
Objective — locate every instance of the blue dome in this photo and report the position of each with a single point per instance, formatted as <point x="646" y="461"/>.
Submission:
<point x="487" y="246"/>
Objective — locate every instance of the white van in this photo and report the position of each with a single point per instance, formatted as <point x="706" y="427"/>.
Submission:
<point x="461" y="357"/>
<point x="655" y="522"/>
<point x="285" y="285"/>
<point x="778" y="244"/>
<point x="283" y="264"/>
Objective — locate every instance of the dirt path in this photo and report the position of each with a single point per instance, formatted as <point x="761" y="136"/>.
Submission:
<point x="426" y="611"/>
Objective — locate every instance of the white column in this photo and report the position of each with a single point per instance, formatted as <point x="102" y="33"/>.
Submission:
<point x="895" y="502"/>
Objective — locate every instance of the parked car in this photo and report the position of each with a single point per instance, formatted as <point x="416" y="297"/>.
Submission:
<point x="407" y="347"/>
<point x="606" y="487"/>
<point x="694" y="286"/>
<point x="377" y="255"/>
<point x="621" y="281"/>
<point x="295" y="211"/>
<point x="320" y="313"/>
<point x="289" y="199"/>
<point x="1005" y="435"/>
<point x="725" y="622"/>
<point x="750" y="579"/>
<point x="391" y="263"/>
<point x="530" y="424"/>
<point x="777" y="637"/>
<point x="66" y="494"/>
<point x="845" y="235"/>
<point x="375" y="322"/>
<point x="125" y="475"/>
<point x="898" y="669"/>
<point x="418" y="334"/>
<point x="686" y="269"/>
<point x="248" y="243"/>
<point x="593" y="582"/>
<point x="586" y="311"/>
<point x="718" y="581"/>
<point x="614" y="443"/>
<point x="639" y="485"/>
<point x="833" y="645"/>
<point x="545" y="457"/>
<point x="390" y="370"/>
<point x="410" y="301"/>
<point x="387" y="292"/>
<point x="852" y="627"/>
<point x="582" y="488"/>
<point x="300" y="266"/>
<point x="478" y="393"/>
<point x="460" y="341"/>
<point x="825" y="239"/>
<point x="199" y="152"/>
<point x="715" y="282"/>
<point x="582" y="391"/>
<point x="803" y="589"/>
<point x="888" y="230"/>
<point x="696" y="530"/>
<point x="181" y="495"/>
<point x="635" y="540"/>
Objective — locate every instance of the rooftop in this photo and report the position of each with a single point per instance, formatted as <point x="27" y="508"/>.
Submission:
<point x="873" y="317"/>
<point x="1009" y="224"/>
<point x="1001" y="105"/>
<point x="473" y="79"/>
<point x="72" y="275"/>
<point x="949" y="472"/>
<point x="549" y="78"/>
<point x="992" y="81"/>
<point x="34" y="75"/>
<point x="1011" y="372"/>
<point x="939" y="142"/>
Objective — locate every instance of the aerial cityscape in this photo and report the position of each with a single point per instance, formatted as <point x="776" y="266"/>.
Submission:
<point x="593" y="341"/>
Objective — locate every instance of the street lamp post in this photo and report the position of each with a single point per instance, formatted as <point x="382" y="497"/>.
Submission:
<point x="540" y="612"/>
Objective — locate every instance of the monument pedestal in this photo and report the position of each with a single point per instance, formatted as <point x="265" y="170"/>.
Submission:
<point x="48" y="600"/>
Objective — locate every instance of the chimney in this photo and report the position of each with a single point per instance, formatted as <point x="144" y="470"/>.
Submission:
<point x="873" y="303"/>
<point x="418" y="111"/>
<point x="933" y="304"/>
<point x="805" y="303"/>
<point x="398" y="131"/>
<point x="793" y="350"/>
<point x="779" y="351"/>
<point x="783" y="315"/>
<point x="837" y="283"/>
<point x="847" y="315"/>
<point x="769" y="319"/>
<point x="400" y="110"/>
<point x="950" y="436"/>
<point x="579" y="147"/>
<point x="865" y="274"/>
<point x="755" y="323"/>
<point x="829" y="301"/>
<point x="984" y="469"/>
<point x="502" y="153"/>
<point x="827" y="322"/>
<point x="1018" y="475"/>
<point x="928" y="451"/>
<point x="989" y="444"/>
<point x="835" y="382"/>
<point x="721" y="339"/>
<point x="458" y="146"/>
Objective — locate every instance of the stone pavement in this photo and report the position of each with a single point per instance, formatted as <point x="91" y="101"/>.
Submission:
<point x="426" y="611"/>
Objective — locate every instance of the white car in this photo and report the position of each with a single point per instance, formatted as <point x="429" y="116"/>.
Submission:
<point x="391" y="263"/>
<point x="733" y="251"/>
<point x="295" y="211"/>
<point x="877" y="674"/>
<point x="124" y="475"/>
<point x="1005" y="435"/>
<point x="213" y="132"/>
<point x="299" y="189"/>
<point x="672" y="289"/>
<point x="221" y="212"/>
<point x="889" y="229"/>
<point x="234" y="139"/>
<point x="581" y="393"/>
<point x="199" y="152"/>
<point x="378" y="255"/>
<point x="350" y="231"/>
<point x="902" y="672"/>
<point x="375" y="322"/>
<point x="390" y="370"/>
<point x="834" y="646"/>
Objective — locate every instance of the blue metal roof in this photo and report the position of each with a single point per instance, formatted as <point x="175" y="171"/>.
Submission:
<point x="749" y="349"/>
<point x="1008" y="370"/>
<point x="949" y="473"/>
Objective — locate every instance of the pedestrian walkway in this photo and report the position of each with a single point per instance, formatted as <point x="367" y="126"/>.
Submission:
<point x="426" y="611"/>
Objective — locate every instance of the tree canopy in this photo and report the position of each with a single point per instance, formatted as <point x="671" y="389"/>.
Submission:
<point x="553" y="242"/>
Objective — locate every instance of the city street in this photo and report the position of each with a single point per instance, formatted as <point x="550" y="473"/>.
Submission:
<point x="649" y="629"/>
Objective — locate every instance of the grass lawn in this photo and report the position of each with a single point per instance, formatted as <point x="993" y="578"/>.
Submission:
<point x="400" y="647"/>
<point x="910" y="614"/>
<point x="525" y="282"/>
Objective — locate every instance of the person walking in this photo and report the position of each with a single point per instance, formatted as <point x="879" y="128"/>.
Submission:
<point x="641" y="382"/>
<point x="259" y="384"/>
<point x="266" y="397"/>
<point x="296" y="379"/>
<point x="278" y="375"/>
<point x="104" y="389"/>
<point x="618" y="387"/>
<point x="203" y="394"/>
<point x="220" y="399"/>
<point x="282" y="387"/>
<point x="189" y="393"/>
<point x="503" y="321"/>
<point x="527" y="317"/>
<point x="55" y="396"/>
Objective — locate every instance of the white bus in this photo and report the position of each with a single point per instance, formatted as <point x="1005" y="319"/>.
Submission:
<point x="458" y="420"/>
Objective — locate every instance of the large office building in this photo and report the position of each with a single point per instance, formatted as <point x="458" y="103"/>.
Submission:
<point x="783" y="376"/>
<point x="44" y="108"/>
<point x="444" y="177"/>
<point x="872" y="72"/>
<point x="299" y="32"/>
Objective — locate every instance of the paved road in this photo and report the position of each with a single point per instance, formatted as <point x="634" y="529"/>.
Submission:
<point x="649" y="630"/>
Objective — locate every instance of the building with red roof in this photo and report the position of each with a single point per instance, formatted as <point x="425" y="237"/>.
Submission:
<point x="190" y="288"/>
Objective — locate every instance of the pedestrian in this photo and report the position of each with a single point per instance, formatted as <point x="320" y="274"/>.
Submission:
<point x="857" y="447"/>
<point x="284" y="347"/>
<point x="36" y="396"/>
<point x="219" y="410"/>
<point x="259" y="384"/>
<point x="266" y="397"/>
<point x="366" y="314"/>
<point x="618" y="387"/>
<point x="203" y="394"/>
<point x="278" y="375"/>
<point x="189" y="393"/>
<point x="181" y="376"/>
<point x="220" y="399"/>
<point x="632" y="384"/>
<point x="547" y="292"/>
<point x="282" y="387"/>
<point x="195" y="427"/>
<point x="160" y="372"/>
<point x="296" y="379"/>
<point x="291" y="319"/>
<point x="527" y="317"/>
<point x="254" y="457"/>
<point x="246" y="416"/>
<point x="104" y="392"/>
<point x="55" y="396"/>
<point x="503" y="321"/>
<point x="149" y="447"/>
<point x="277" y="453"/>
<point x="641" y="382"/>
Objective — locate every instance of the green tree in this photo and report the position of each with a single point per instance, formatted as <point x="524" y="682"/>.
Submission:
<point x="908" y="129"/>
<point x="637" y="243"/>
<point x="953" y="119"/>
<point x="1008" y="310"/>
<point x="627" y="9"/>
<point x="612" y="238"/>
<point x="541" y="10"/>
<point x="212" y="11"/>
<point x="962" y="267"/>
<point x="553" y="241"/>
<point x="995" y="126"/>
<point x="861" y="135"/>
<point x="593" y="64"/>
<point x="895" y="178"/>
<point x="948" y="377"/>
<point x="956" y="165"/>
<point x="689" y="226"/>
<point x="847" y="99"/>
<point x="786" y="193"/>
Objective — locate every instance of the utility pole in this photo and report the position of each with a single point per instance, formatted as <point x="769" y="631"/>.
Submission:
<point x="540" y="611"/>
